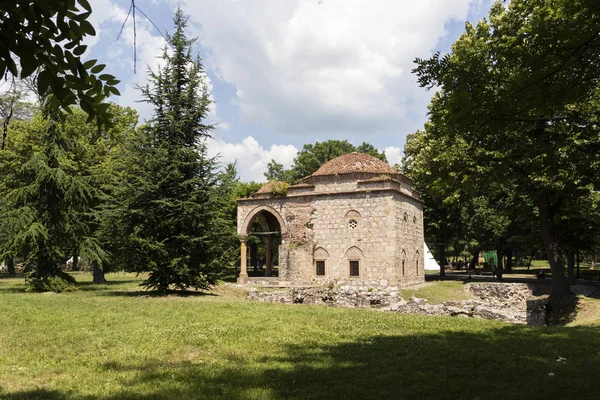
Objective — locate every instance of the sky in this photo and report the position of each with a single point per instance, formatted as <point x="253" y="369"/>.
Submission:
<point x="284" y="73"/>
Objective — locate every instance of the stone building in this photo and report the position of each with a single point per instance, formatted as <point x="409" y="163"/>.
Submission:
<point x="355" y="221"/>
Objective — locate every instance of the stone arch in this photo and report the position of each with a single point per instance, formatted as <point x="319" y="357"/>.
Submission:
<point x="255" y="211"/>
<point x="352" y="214"/>
<point x="320" y="254"/>
<point x="354" y="253"/>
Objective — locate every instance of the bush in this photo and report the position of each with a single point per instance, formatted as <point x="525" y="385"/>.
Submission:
<point x="62" y="283"/>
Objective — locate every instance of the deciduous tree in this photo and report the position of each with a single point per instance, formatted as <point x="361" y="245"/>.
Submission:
<point x="521" y="90"/>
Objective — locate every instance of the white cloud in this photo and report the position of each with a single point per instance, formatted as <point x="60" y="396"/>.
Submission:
<point x="251" y="157"/>
<point x="149" y="45"/>
<point x="393" y="155"/>
<point x="224" y="126"/>
<point x="331" y="66"/>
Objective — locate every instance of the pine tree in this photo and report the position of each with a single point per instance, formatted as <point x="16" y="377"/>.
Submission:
<point x="165" y="215"/>
<point x="43" y="203"/>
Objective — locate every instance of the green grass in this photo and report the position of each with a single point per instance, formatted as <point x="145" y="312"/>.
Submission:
<point x="114" y="342"/>
<point x="438" y="292"/>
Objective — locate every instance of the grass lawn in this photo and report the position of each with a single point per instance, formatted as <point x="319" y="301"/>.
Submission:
<point x="438" y="292"/>
<point x="114" y="342"/>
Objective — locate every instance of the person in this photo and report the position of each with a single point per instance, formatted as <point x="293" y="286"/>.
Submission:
<point x="541" y="274"/>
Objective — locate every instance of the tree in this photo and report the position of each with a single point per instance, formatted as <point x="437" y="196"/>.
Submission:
<point x="431" y="160"/>
<point x="313" y="156"/>
<point x="97" y="156"/>
<point x="164" y="210"/>
<point x="13" y="106"/>
<point x="522" y="91"/>
<point x="43" y="204"/>
<point x="53" y="178"/>
<point x="48" y="35"/>
<point x="276" y="172"/>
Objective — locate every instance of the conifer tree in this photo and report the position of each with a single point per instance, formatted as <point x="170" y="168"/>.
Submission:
<point x="42" y="204"/>
<point x="165" y="212"/>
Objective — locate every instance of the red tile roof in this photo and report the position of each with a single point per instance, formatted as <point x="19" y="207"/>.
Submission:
<point x="353" y="163"/>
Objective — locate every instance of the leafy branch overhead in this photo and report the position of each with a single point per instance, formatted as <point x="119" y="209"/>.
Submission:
<point x="48" y="35"/>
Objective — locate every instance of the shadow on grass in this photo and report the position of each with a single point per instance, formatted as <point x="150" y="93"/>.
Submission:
<point x="149" y="293"/>
<point x="109" y="285"/>
<point x="511" y="362"/>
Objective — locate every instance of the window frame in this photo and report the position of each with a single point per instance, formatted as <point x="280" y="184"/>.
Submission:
<point x="357" y="265"/>
<point x="317" y="268"/>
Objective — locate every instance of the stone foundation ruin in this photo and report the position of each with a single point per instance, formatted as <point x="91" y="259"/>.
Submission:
<point x="508" y="302"/>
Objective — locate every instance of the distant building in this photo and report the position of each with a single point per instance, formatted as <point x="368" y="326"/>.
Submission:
<point x="355" y="221"/>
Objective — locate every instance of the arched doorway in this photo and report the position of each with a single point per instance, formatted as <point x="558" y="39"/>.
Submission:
<point x="260" y="237"/>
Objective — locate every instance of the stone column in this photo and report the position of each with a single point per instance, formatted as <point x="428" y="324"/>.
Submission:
<point x="269" y="258"/>
<point x="243" y="278"/>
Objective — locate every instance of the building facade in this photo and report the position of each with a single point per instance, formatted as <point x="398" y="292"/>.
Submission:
<point x="355" y="221"/>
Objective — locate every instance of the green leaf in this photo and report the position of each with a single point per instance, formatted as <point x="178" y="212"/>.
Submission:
<point x="89" y="64"/>
<point x="79" y="50"/>
<point x="28" y="65"/>
<point x="97" y="69"/>
<point x="87" y="28"/>
<point x="85" y="4"/>
<point x="43" y="82"/>
<point x="106" y="77"/>
<point x="114" y="90"/>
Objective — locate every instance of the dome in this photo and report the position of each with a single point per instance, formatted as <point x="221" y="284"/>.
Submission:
<point x="354" y="163"/>
<point x="272" y="188"/>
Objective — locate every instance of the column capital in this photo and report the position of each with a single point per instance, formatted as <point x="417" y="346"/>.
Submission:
<point x="243" y="238"/>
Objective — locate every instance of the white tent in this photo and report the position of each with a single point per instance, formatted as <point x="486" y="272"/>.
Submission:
<point x="430" y="263"/>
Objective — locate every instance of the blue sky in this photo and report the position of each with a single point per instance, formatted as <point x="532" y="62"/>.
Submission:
<point x="284" y="73"/>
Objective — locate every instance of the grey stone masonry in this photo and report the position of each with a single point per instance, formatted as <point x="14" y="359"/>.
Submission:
<point x="366" y="227"/>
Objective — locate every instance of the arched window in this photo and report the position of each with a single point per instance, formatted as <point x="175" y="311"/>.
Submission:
<point x="403" y="261"/>
<point x="354" y="256"/>
<point x="417" y="262"/>
<point x="320" y="257"/>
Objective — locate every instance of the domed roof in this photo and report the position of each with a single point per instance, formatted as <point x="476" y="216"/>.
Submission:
<point x="353" y="163"/>
<point x="273" y="187"/>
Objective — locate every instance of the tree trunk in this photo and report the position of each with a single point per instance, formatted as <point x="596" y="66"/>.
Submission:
<point x="571" y="266"/>
<point x="10" y="265"/>
<point x="560" y="285"/>
<point x="475" y="258"/>
<point x="577" y="254"/>
<point x="593" y="266"/>
<point x="500" y="254"/>
<point x="509" y="256"/>
<point x="75" y="265"/>
<point x="443" y="259"/>
<point x="97" y="273"/>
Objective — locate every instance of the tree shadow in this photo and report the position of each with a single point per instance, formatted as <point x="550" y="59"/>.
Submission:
<point x="108" y="285"/>
<point x="150" y="293"/>
<point x="511" y="362"/>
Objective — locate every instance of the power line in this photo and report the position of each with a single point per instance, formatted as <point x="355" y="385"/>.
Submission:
<point x="132" y="8"/>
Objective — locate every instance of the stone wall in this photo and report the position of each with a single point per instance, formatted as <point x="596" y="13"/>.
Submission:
<point x="409" y="251"/>
<point x="508" y="302"/>
<point x="345" y="222"/>
<point x="372" y="237"/>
